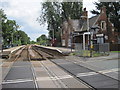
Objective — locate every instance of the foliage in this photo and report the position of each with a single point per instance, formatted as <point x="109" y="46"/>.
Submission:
<point x="112" y="10"/>
<point x="32" y="42"/>
<point x="10" y="33"/>
<point x="42" y="40"/>
<point x="55" y="13"/>
<point x="21" y="38"/>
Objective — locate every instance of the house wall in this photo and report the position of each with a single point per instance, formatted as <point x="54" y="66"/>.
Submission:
<point x="70" y="26"/>
<point x="110" y="35"/>
<point x="65" y="36"/>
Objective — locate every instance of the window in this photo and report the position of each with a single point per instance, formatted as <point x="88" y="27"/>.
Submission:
<point x="100" y="40"/>
<point x="103" y="25"/>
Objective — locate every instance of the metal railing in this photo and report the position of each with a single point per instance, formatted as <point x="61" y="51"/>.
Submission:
<point x="88" y="52"/>
<point x="105" y="47"/>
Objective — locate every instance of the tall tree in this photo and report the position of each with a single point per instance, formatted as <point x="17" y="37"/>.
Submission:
<point x="54" y="13"/>
<point x="71" y="9"/>
<point x="10" y="33"/>
<point x="43" y="40"/>
<point x="22" y="37"/>
<point x="112" y="10"/>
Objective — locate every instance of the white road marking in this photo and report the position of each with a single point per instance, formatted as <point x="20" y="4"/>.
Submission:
<point x="86" y="74"/>
<point x="94" y="73"/>
<point x="16" y="81"/>
<point x="53" y="78"/>
<point x="110" y="70"/>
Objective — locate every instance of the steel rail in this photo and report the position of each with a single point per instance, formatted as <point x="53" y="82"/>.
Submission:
<point x="52" y="75"/>
<point x="85" y="83"/>
<point x="33" y="71"/>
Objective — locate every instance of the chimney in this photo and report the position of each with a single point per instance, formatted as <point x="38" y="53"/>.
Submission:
<point x="103" y="9"/>
<point x="85" y="14"/>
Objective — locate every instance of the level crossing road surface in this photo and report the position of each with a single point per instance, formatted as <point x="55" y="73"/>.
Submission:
<point x="33" y="70"/>
<point x="93" y="78"/>
<point x="20" y="74"/>
<point x="106" y="65"/>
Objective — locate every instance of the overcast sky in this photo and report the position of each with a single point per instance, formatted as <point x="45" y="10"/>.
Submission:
<point x="25" y="13"/>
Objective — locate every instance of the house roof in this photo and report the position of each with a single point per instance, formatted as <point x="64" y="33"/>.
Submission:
<point x="81" y="25"/>
<point x="93" y="20"/>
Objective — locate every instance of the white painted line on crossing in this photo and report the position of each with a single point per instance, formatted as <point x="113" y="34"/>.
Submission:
<point x="110" y="70"/>
<point x="53" y="78"/>
<point x="65" y="77"/>
<point x="86" y="74"/>
<point x="95" y="73"/>
<point x="16" y="81"/>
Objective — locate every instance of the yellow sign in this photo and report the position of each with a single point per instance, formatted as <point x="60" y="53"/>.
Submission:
<point x="91" y="46"/>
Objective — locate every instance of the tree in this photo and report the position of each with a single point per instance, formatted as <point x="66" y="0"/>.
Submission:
<point x="32" y="42"/>
<point x="43" y="40"/>
<point x="22" y="37"/>
<point x="55" y="13"/>
<point x="112" y="10"/>
<point x="10" y="33"/>
<point x="72" y="10"/>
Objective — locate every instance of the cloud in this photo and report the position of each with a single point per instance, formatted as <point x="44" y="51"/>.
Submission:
<point x="25" y="12"/>
<point x="89" y="4"/>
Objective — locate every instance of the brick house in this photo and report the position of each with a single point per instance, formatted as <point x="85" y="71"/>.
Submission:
<point x="79" y="31"/>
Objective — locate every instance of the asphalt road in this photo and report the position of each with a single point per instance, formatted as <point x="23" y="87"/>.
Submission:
<point x="20" y="74"/>
<point x="91" y="77"/>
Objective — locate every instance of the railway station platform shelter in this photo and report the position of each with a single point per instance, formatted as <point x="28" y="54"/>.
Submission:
<point x="83" y="39"/>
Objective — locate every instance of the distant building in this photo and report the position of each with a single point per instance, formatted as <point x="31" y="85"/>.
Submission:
<point x="80" y="31"/>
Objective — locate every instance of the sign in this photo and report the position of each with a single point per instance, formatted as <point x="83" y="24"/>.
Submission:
<point x="99" y="35"/>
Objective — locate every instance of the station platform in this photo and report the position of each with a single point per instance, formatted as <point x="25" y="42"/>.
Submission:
<point x="63" y="50"/>
<point x="7" y="52"/>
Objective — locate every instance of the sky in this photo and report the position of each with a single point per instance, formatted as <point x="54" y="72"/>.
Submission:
<point x="25" y="13"/>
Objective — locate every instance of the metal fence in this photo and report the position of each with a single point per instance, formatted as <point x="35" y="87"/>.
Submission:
<point x="79" y="50"/>
<point x="97" y="48"/>
<point x="78" y="47"/>
<point x="105" y="47"/>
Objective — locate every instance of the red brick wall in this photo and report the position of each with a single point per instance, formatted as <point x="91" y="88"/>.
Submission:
<point x="112" y="35"/>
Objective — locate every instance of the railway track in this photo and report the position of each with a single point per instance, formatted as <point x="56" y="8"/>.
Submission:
<point x="21" y="74"/>
<point x="92" y="78"/>
<point x="34" y="68"/>
<point x="57" y="78"/>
